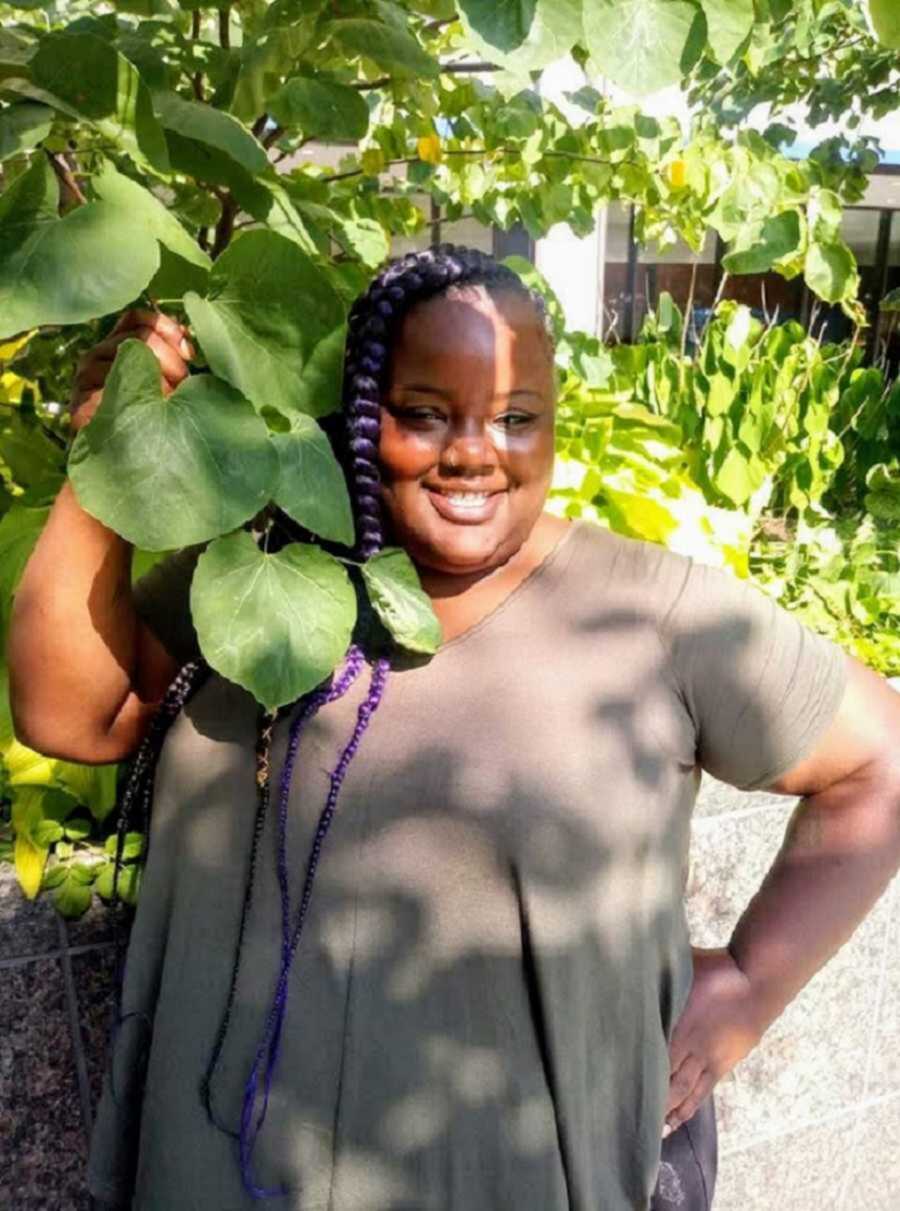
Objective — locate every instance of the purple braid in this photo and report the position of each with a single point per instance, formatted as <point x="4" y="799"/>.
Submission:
<point x="373" y="324"/>
<point x="270" y="1043"/>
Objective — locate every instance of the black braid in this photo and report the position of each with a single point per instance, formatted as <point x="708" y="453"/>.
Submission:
<point x="373" y="324"/>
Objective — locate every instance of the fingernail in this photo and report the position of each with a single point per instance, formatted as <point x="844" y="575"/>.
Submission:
<point x="667" y="1131"/>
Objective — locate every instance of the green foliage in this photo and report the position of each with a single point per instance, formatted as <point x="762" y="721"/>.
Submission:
<point x="147" y="158"/>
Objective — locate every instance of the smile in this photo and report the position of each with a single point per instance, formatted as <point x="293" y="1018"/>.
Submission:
<point x="466" y="508"/>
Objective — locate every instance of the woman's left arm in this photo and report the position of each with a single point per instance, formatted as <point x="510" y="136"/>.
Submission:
<point x="840" y="851"/>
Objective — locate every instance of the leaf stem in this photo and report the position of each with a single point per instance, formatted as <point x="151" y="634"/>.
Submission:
<point x="197" y="78"/>
<point x="71" y="188"/>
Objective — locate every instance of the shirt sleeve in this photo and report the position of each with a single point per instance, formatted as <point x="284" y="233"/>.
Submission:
<point x="162" y="601"/>
<point x="760" y="686"/>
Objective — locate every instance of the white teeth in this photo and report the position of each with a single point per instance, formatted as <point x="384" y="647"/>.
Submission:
<point x="467" y="500"/>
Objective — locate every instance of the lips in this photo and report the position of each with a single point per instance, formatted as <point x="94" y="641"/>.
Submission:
<point x="465" y="508"/>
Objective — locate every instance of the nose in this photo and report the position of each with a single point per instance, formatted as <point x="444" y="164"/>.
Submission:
<point x="468" y="452"/>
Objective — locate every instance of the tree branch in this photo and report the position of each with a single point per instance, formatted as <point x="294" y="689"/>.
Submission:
<point x="197" y="78"/>
<point x="273" y="136"/>
<point x="452" y="68"/>
<point x="224" y="27"/>
<point x="225" y="226"/>
<point x="71" y="189"/>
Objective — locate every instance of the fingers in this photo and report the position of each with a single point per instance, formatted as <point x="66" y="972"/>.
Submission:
<point x="686" y="1109"/>
<point x="95" y="365"/>
<point x="164" y="326"/>
<point x="682" y="1082"/>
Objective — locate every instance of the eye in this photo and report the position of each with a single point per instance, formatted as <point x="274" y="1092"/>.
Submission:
<point x="514" y="420"/>
<point x="421" y="414"/>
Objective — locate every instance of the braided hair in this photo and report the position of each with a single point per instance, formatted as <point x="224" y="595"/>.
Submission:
<point x="373" y="325"/>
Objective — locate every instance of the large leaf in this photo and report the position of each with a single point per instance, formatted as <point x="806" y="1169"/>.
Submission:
<point x="22" y="127"/>
<point x="885" y="15"/>
<point x="504" y="24"/>
<point x="779" y="237"/>
<point x="202" y="123"/>
<point x="64" y="271"/>
<point x="830" y="271"/>
<point x="170" y="472"/>
<point x="150" y="213"/>
<point x="322" y="378"/>
<point x="638" y="43"/>
<point x="728" y="23"/>
<point x="554" y="30"/>
<point x="392" y="48"/>
<point x="275" y="624"/>
<point x="268" y="307"/>
<point x="90" y="77"/>
<point x="400" y="601"/>
<point x="311" y="485"/>
<point x="266" y="61"/>
<point x="321" y="109"/>
<point x="20" y="529"/>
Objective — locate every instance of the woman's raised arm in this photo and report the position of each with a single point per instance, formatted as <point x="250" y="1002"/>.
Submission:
<point x="85" y="673"/>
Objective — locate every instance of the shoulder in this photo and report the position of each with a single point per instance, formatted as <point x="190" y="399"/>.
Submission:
<point x="631" y="572"/>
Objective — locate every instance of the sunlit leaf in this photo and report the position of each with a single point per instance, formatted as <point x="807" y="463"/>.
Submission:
<point x="275" y="624"/>
<point x="399" y="600"/>
<point x="311" y="485"/>
<point x="169" y="472"/>
<point x="639" y="43"/>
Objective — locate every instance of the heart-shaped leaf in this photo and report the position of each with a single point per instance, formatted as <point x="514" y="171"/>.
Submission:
<point x="503" y="24"/>
<point x="64" y="271"/>
<point x="830" y="271"/>
<point x="170" y="472"/>
<point x="400" y="601"/>
<point x="728" y="23"/>
<point x="554" y="29"/>
<point x="779" y="237"/>
<point x="390" y="47"/>
<point x="146" y="210"/>
<point x="89" y="76"/>
<point x="311" y="485"/>
<point x="275" y="624"/>
<point x="267" y="308"/>
<point x="639" y="43"/>
<point x="22" y="127"/>
<point x="204" y="124"/>
<point x="321" y="109"/>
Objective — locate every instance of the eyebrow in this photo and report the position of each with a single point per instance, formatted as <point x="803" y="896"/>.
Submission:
<point x="428" y="389"/>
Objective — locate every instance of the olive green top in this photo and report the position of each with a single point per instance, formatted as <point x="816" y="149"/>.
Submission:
<point x="496" y="950"/>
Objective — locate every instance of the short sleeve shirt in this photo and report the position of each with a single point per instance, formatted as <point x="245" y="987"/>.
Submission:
<point x="496" y="950"/>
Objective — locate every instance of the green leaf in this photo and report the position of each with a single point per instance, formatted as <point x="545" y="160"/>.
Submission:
<point x="53" y="876"/>
<point x="91" y="78"/>
<point x="368" y="240"/>
<point x="400" y="602"/>
<point x="213" y="127"/>
<point x="275" y="624"/>
<point x="392" y="48"/>
<point x="131" y="849"/>
<point x="22" y="127"/>
<point x="127" y="886"/>
<point x="154" y="218"/>
<point x="320" y="383"/>
<point x="779" y="237"/>
<point x="638" y="43"/>
<point x="830" y="271"/>
<point x="554" y="30"/>
<point x="64" y="271"/>
<point x="72" y="898"/>
<point x="883" y="496"/>
<point x="885" y="17"/>
<point x="169" y="472"/>
<point x="728" y="23"/>
<point x="321" y="109"/>
<point x="737" y="478"/>
<point x="268" y="307"/>
<point x="93" y="786"/>
<point x="311" y="485"/>
<point x="20" y="529"/>
<point x="29" y="861"/>
<point x="891" y="301"/>
<point x="503" y="24"/>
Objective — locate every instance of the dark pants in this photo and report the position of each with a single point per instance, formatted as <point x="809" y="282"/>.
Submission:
<point x="687" y="1171"/>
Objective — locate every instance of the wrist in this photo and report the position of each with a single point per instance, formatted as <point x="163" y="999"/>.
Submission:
<point x="766" y="998"/>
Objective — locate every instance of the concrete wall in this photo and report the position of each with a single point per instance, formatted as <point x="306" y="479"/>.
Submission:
<point x="810" y="1121"/>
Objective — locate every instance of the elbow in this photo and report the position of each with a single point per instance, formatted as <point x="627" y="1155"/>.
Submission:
<point x="49" y="733"/>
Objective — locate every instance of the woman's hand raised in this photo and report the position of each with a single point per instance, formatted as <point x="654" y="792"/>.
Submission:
<point x="167" y="339"/>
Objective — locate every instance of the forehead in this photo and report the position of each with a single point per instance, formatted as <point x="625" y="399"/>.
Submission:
<point x="469" y="325"/>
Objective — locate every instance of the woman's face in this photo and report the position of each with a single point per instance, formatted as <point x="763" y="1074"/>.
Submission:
<point x="466" y="449"/>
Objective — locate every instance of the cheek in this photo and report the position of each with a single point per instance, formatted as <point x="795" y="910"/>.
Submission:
<point x="404" y="455"/>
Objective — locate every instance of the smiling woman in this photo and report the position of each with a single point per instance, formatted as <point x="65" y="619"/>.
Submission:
<point x="491" y="999"/>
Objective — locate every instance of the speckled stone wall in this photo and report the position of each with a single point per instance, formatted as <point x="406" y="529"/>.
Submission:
<point x="810" y="1121"/>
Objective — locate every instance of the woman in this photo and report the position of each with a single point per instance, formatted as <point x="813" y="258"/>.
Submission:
<point x="480" y="1011"/>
